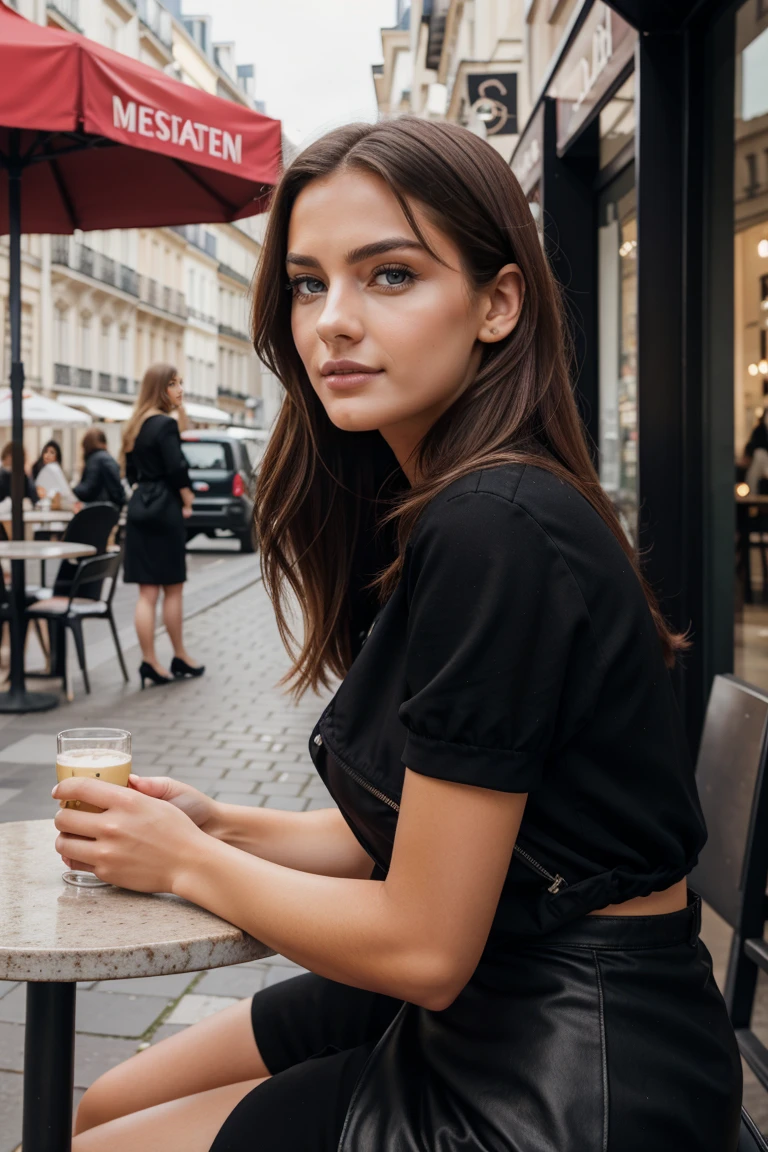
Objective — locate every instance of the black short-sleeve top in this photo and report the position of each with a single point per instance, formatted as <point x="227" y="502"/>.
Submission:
<point x="518" y="653"/>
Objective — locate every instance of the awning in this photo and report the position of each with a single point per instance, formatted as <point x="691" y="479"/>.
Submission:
<point x="207" y="414"/>
<point x="40" y="411"/>
<point x="97" y="406"/>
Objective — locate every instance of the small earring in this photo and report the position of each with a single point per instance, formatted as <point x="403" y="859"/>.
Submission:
<point x="494" y="331"/>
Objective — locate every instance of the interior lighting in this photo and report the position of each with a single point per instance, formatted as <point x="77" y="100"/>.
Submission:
<point x="762" y="248"/>
<point x="742" y="489"/>
<point x="752" y="369"/>
<point x="763" y="367"/>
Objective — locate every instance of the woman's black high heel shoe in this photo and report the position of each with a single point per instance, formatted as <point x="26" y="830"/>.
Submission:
<point x="147" y="672"/>
<point x="180" y="667"/>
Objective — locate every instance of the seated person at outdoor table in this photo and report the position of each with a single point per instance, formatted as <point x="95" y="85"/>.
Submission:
<point x="101" y="474"/>
<point x="6" y="468"/>
<point x="503" y="953"/>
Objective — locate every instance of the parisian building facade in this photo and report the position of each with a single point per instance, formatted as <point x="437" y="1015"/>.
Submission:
<point x="99" y="307"/>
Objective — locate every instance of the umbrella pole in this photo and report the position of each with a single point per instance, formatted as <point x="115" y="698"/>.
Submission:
<point x="17" y="699"/>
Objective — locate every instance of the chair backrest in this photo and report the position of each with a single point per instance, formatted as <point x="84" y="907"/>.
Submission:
<point x="750" y="1139"/>
<point x="96" y="569"/>
<point x="733" y="787"/>
<point x="91" y="525"/>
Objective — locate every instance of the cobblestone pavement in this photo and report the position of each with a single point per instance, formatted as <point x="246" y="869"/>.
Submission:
<point x="231" y="733"/>
<point x="237" y="737"/>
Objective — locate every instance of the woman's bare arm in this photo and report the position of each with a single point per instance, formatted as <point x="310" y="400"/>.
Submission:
<point x="319" y="842"/>
<point x="419" y="934"/>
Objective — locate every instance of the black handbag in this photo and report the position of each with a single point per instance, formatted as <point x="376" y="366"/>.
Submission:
<point x="151" y="504"/>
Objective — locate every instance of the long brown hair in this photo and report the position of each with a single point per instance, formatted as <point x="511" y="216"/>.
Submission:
<point x="153" y="396"/>
<point x="315" y="482"/>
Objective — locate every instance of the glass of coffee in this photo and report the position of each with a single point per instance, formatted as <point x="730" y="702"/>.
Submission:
<point x="102" y="754"/>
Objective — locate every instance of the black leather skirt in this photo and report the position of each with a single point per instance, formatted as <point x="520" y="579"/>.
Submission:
<point x="609" y="1035"/>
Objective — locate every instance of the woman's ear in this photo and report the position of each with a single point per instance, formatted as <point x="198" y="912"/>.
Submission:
<point x="503" y="299"/>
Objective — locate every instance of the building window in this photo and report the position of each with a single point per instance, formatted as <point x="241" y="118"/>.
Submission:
<point x="61" y="335"/>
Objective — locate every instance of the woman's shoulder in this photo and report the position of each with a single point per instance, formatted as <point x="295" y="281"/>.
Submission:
<point x="512" y="494"/>
<point x="155" y="426"/>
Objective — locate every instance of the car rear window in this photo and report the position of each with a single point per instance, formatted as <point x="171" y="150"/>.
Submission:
<point x="208" y="455"/>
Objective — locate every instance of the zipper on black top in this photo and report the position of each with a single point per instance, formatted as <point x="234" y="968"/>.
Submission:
<point x="360" y="779"/>
<point x="556" y="882"/>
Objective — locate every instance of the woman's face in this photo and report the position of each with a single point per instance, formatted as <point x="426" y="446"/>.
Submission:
<point x="50" y="455"/>
<point x="389" y="336"/>
<point x="175" y="392"/>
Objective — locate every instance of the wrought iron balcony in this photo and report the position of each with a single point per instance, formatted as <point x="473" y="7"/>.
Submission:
<point x="69" y="9"/>
<point x="234" y="333"/>
<point x="162" y="297"/>
<point x="72" y="254"/>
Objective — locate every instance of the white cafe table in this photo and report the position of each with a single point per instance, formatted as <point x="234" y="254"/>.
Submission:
<point x="17" y="699"/>
<point x="52" y="935"/>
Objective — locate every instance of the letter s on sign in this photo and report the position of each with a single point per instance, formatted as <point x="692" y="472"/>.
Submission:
<point x="162" y="124"/>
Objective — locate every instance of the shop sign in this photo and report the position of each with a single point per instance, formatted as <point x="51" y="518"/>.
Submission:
<point x="527" y="158"/>
<point x="494" y="100"/>
<point x="603" y="47"/>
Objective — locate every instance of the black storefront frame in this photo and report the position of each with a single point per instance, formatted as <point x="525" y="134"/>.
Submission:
<point x="683" y="153"/>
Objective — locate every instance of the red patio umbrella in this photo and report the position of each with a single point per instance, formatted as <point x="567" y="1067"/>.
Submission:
<point x="90" y="138"/>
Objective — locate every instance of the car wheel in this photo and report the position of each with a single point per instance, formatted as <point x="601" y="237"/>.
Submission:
<point x="246" y="541"/>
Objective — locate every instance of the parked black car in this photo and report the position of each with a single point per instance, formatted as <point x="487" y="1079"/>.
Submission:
<point x="222" y="468"/>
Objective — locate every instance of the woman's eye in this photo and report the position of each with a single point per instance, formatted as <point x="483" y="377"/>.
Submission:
<point x="392" y="277"/>
<point x="306" y="286"/>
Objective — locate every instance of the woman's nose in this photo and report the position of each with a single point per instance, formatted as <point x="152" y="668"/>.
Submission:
<point x="341" y="316"/>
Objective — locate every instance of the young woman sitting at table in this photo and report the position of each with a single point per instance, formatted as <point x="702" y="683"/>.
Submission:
<point x="502" y="951"/>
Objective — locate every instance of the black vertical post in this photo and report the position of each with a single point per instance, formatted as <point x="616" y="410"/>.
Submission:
<point x="659" y="167"/>
<point x="49" y="1068"/>
<point x="569" y="240"/>
<point x="17" y="699"/>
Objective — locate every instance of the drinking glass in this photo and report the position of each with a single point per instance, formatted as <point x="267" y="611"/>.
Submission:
<point x="100" y="753"/>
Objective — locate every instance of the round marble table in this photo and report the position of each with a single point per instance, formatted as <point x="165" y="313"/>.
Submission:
<point x="52" y="935"/>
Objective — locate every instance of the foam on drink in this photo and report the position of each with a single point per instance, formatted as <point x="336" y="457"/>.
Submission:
<point x="96" y="763"/>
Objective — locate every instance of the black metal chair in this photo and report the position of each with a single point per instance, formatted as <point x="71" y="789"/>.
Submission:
<point x="91" y="525"/>
<point x="731" y="876"/>
<point x="69" y="611"/>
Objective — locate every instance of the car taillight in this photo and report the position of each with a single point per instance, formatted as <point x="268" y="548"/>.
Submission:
<point x="238" y="488"/>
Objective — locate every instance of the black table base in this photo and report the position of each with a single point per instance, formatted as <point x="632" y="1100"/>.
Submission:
<point x="49" y="1067"/>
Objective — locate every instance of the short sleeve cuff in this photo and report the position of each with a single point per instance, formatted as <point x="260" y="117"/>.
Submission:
<point x="502" y="771"/>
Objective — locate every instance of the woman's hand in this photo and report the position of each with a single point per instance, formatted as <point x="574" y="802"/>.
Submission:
<point x="186" y="512"/>
<point x="201" y="809"/>
<point x="137" y="842"/>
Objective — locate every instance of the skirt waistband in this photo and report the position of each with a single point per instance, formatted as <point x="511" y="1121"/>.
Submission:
<point x="629" y="932"/>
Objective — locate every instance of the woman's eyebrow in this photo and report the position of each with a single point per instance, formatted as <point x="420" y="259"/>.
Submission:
<point x="356" y="255"/>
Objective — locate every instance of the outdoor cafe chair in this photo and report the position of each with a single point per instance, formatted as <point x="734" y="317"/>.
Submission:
<point x="69" y="611"/>
<point x="732" y="872"/>
<point x="91" y="525"/>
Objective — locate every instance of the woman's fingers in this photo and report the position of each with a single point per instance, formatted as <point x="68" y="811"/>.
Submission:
<point x="76" y="823"/>
<point x="73" y="846"/>
<point x="161" y="787"/>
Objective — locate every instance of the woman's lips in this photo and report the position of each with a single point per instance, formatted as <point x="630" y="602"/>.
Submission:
<point x="339" y="381"/>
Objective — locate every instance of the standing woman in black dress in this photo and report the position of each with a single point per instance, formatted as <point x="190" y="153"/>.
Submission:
<point x="503" y="954"/>
<point x="155" y="540"/>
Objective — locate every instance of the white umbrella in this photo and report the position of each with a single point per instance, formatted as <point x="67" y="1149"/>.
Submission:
<point x="40" y="410"/>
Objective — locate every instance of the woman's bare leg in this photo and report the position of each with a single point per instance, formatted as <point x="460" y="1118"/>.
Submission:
<point x="144" y="621"/>
<point x="173" y="618"/>
<point x="218" y="1051"/>
<point x="188" y="1125"/>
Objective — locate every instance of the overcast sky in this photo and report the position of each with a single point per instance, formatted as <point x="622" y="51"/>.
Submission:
<point x="313" y="57"/>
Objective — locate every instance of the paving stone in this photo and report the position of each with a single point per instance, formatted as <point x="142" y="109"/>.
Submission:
<point x="111" y="1014"/>
<point x="234" y="783"/>
<point x="95" y="1055"/>
<point x="321" y="802"/>
<point x="257" y="775"/>
<point x="10" y="1110"/>
<point x="275" y="789"/>
<point x="221" y="763"/>
<point x="12" y="1047"/>
<point x="238" y="981"/>
<point x="194" y="1008"/>
<point x="295" y="777"/>
<point x="248" y="799"/>
<point x="287" y="803"/>
<point x="167" y="986"/>
<point x="279" y="972"/>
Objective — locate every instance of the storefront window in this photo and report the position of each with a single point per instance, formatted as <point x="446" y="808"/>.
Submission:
<point x="617" y="281"/>
<point x="750" y="360"/>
